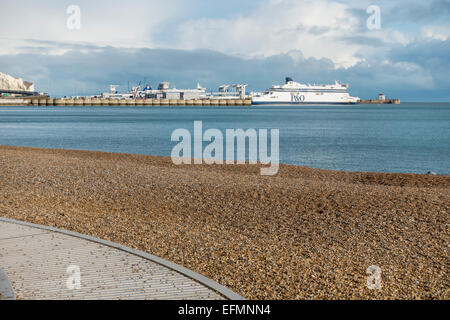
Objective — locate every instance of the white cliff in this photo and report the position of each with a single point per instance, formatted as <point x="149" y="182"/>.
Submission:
<point x="8" y="82"/>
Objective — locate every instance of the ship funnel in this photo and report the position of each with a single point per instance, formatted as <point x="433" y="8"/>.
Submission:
<point x="288" y="79"/>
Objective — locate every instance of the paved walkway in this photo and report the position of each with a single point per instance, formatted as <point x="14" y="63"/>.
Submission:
<point x="46" y="263"/>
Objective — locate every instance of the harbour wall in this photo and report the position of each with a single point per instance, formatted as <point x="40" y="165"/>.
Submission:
<point x="377" y="101"/>
<point x="13" y="102"/>
<point x="46" y="101"/>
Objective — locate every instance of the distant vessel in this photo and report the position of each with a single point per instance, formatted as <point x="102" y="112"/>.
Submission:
<point x="296" y="93"/>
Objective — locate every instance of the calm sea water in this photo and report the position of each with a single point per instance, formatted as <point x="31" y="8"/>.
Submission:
<point x="412" y="137"/>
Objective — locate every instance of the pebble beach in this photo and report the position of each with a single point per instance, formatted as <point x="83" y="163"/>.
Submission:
<point x="302" y="234"/>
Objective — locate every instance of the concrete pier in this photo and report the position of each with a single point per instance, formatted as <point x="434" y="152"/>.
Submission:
<point x="60" y="102"/>
<point x="46" y="101"/>
<point x="96" y="102"/>
<point x="14" y="102"/>
<point x="377" y="101"/>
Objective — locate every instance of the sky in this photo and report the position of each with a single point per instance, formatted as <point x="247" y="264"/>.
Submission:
<point x="403" y="52"/>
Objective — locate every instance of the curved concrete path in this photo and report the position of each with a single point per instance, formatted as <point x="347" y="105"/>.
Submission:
<point x="47" y="263"/>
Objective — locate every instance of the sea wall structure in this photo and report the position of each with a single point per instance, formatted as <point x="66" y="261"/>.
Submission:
<point x="378" y="101"/>
<point x="381" y="100"/>
<point x="46" y="101"/>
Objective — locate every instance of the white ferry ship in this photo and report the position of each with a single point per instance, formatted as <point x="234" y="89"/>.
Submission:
<point x="296" y="93"/>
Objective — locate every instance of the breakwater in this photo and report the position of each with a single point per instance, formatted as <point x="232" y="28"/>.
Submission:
<point x="378" y="101"/>
<point x="14" y="102"/>
<point x="46" y="101"/>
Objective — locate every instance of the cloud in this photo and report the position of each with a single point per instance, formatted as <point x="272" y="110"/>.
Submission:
<point x="431" y="55"/>
<point x="364" y="40"/>
<point x="115" y="23"/>
<point x="435" y="33"/>
<point x="276" y="27"/>
<point x="423" y="11"/>
<point x="331" y="29"/>
<point x="416" y="72"/>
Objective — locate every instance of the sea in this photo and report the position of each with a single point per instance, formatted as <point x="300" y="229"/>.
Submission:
<point x="406" y="138"/>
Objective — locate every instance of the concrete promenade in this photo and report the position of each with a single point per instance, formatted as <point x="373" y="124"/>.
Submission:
<point x="46" y="263"/>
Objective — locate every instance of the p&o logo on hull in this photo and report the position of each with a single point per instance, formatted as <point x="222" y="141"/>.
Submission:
<point x="297" y="98"/>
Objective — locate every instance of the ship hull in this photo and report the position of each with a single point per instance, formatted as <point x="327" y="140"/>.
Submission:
<point x="304" y="99"/>
<point x="293" y="93"/>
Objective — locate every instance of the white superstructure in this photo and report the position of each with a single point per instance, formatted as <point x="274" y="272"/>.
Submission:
<point x="296" y="93"/>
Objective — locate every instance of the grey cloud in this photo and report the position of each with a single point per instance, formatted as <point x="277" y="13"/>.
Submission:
<point x="430" y="11"/>
<point x="61" y="44"/>
<point x="431" y="55"/>
<point x="363" y="40"/>
<point x="314" y="30"/>
<point x="89" y="72"/>
<point x="361" y="18"/>
<point x="403" y="12"/>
